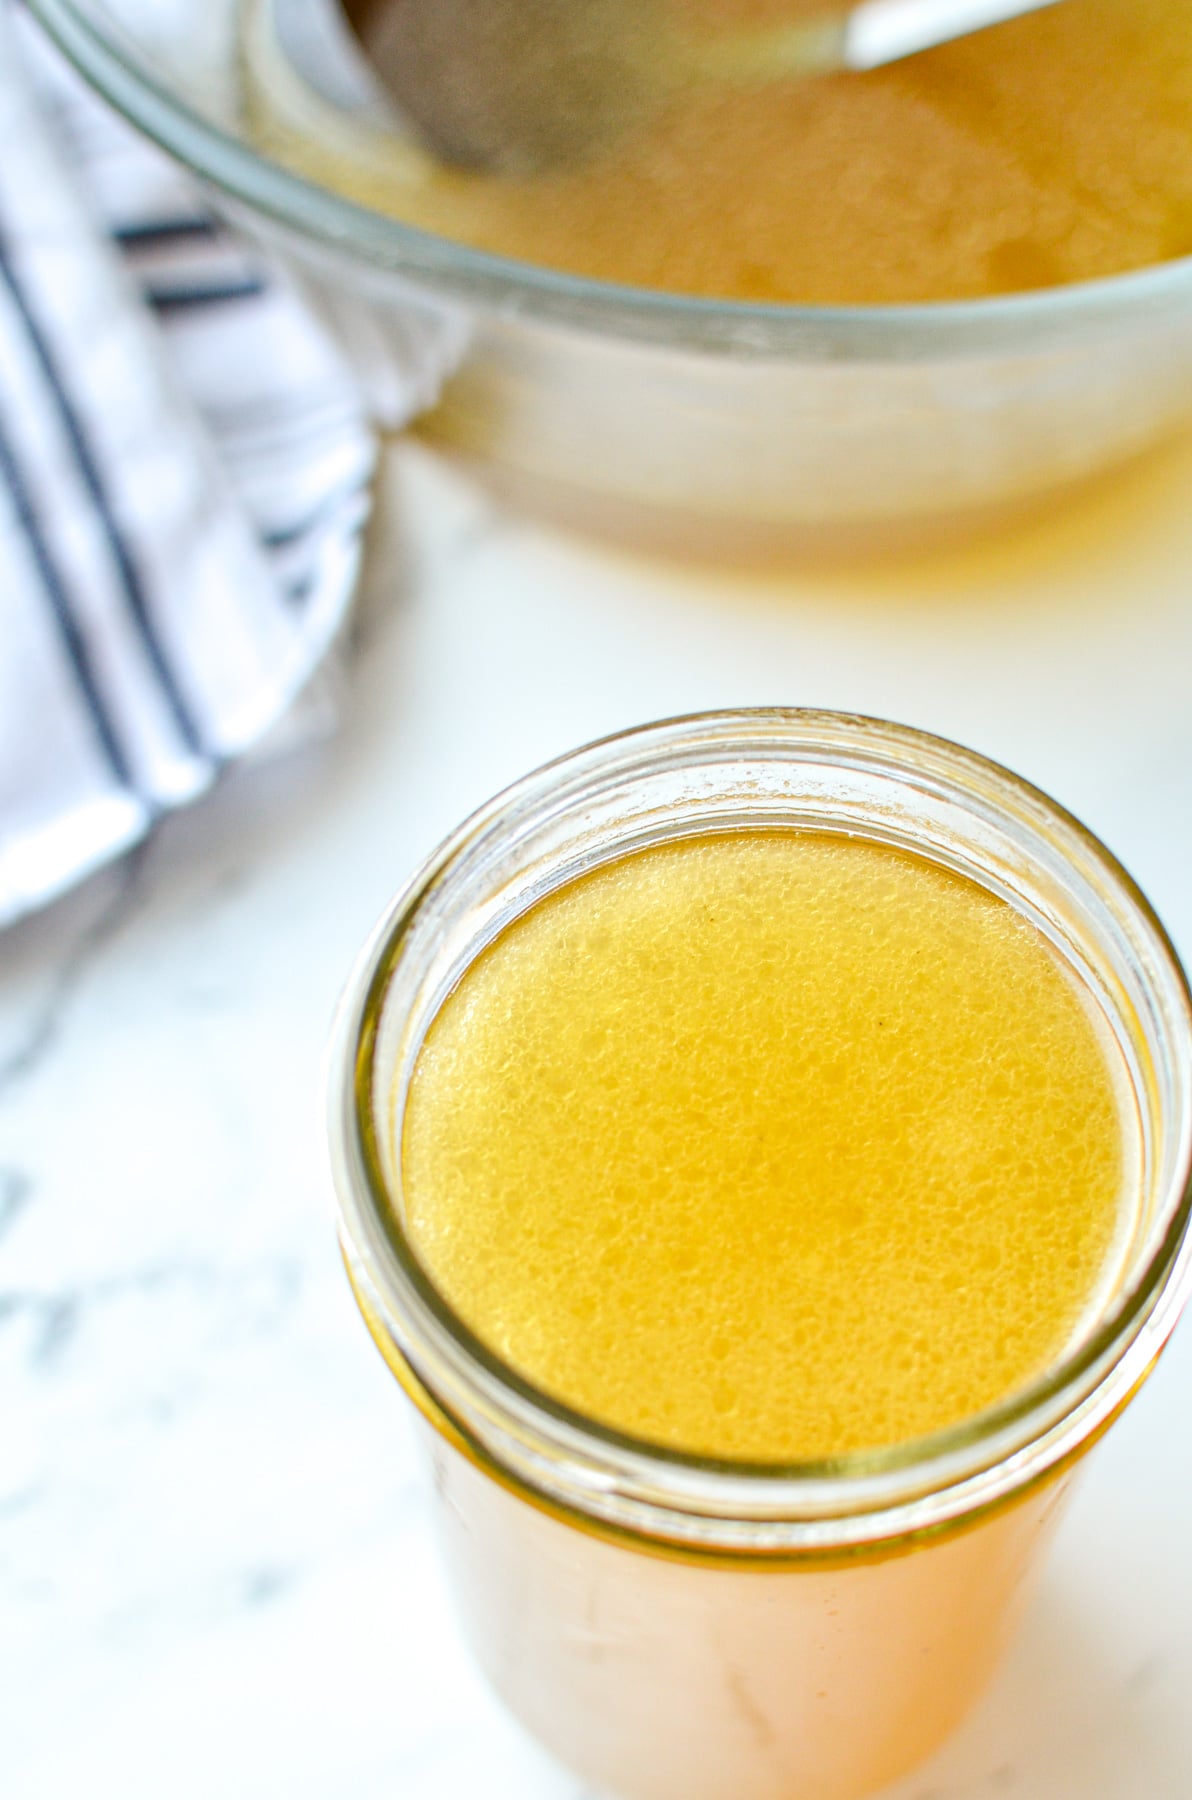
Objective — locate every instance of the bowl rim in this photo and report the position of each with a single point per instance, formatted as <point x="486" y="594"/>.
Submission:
<point x="309" y="214"/>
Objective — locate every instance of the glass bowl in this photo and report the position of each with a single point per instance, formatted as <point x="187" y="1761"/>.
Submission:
<point x="696" y="422"/>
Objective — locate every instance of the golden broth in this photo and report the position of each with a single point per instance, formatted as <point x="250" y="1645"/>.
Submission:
<point x="769" y="1145"/>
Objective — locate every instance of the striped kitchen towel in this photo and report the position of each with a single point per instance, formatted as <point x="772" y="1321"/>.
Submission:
<point x="185" y="464"/>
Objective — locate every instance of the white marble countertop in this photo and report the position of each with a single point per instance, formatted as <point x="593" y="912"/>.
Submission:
<point x="216" y="1575"/>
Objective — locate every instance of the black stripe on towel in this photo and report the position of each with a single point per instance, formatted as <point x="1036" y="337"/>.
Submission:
<point x="164" y="231"/>
<point x="184" y="719"/>
<point x="284" y="535"/>
<point x="74" y="642"/>
<point x="194" y="299"/>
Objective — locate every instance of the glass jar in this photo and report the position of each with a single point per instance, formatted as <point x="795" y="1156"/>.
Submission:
<point x="673" y="1627"/>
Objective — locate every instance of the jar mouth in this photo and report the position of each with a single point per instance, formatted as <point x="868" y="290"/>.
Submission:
<point x="825" y="771"/>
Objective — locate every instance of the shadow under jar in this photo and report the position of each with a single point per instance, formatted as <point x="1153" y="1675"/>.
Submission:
<point x="676" y="1627"/>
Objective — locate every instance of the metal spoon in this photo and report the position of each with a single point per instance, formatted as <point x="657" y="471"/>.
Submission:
<point x="524" y="86"/>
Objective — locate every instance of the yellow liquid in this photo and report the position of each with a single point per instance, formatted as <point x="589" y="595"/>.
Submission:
<point x="769" y="1145"/>
<point x="1052" y="149"/>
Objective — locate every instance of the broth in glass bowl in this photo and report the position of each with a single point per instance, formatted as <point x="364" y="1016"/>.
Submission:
<point x="839" y="311"/>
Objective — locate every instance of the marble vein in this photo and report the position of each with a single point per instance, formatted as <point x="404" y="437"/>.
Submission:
<point x="16" y="1191"/>
<point x="43" y="1032"/>
<point x="56" y="1315"/>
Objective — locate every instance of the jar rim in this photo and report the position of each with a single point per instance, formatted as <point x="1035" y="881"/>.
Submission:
<point x="854" y="1497"/>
